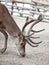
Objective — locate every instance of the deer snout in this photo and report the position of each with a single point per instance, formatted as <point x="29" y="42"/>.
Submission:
<point x="22" y="53"/>
<point x="22" y="49"/>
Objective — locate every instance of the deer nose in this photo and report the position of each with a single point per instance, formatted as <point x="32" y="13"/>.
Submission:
<point x="23" y="55"/>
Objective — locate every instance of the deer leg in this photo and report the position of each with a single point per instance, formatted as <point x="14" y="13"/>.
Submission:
<point x="5" y="45"/>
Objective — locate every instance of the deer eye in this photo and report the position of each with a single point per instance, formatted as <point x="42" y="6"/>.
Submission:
<point x="21" y="43"/>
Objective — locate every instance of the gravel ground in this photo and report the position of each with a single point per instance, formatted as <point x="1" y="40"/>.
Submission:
<point x="34" y="56"/>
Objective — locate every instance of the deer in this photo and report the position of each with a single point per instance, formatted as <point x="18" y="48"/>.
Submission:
<point x="7" y="24"/>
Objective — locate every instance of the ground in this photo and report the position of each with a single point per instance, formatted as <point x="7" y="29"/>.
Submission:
<point x="34" y="56"/>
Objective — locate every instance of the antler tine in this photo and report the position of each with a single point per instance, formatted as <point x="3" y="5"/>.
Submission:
<point x="34" y="42"/>
<point x="31" y="44"/>
<point x="32" y="37"/>
<point x="37" y="31"/>
<point x="38" y="20"/>
<point x="27" y="22"/>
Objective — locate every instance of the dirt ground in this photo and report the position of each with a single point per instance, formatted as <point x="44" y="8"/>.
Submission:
<point x="34" y="56"/>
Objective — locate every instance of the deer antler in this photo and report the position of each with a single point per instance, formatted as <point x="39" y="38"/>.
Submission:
<point x="38" y="20"/>
<point x="29" y="36"/>
<point x="27" y="22"/>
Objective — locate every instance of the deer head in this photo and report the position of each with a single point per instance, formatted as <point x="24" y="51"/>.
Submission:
<point x="23" y="39"/>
